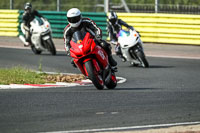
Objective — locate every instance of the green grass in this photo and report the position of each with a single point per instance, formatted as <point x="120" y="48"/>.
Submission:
<point x="19" y="75"/>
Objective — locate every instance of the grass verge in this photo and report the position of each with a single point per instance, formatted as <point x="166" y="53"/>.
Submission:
<point x="19" y="75"/>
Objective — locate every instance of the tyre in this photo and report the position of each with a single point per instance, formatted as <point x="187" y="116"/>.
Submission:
<point x="141" y="57"/>
<point x="135" y="64"/>
<point x="51" y="46"/>
<point x="35" y="51"/>
<point x="113" y="82"/>
<point x="94" y="76"/>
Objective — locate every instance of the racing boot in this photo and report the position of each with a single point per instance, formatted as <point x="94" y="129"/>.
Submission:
<point x="28" y="39"/>
<point x="123" y="58"/>
<point x="118" y="52"/>
<point x="106" y="46"/>
<point x="111" y="60"/>
<point x="73" y="64"/>
<point x="26" y="44"/>
<point x="113" y="63"/>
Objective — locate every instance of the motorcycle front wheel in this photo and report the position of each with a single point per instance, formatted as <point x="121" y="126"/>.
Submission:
<point x="141" y="57"/>
<point x="51" y="46"/>
<point x="35" y="51"/>
<point x="113" y="82"/>
<point x="94" y="76"/>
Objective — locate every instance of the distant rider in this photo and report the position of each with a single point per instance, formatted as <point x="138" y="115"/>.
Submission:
<point x="114" y="26"/>
<point x="28" y="16"/>
<point x="77" y="23"/>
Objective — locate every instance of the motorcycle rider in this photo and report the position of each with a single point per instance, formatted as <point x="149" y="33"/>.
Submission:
<point x="28" y="16"/>
<point x="114" y="25"/>
<point x="77" y="23"/>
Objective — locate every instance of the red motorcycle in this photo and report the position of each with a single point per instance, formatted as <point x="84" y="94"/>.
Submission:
<point x="92" y="60"/>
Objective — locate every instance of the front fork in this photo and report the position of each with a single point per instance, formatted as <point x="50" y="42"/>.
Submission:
<point x="133" y="50"/>
<point x="104" y="72"/>
<point x="44" y="39"/>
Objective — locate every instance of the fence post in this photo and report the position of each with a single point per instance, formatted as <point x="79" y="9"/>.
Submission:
<point x="58" y="5"/>
<point x="106" y="6"/>
<point x="156" y="6"/>
<point x="125" y="6"/>
<point x="11" y="4"/>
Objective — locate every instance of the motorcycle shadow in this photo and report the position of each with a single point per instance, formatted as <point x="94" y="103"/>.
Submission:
<point x="134" y="89"/>
<point x="48" y="54"/>
<point x="150" y="66"/>
<point x="160" y="66"/>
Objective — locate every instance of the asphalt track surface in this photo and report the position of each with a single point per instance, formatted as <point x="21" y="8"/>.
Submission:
<point x="167" y="92"/>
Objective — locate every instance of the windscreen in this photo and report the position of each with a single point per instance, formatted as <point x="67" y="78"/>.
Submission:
<point x="39" y="20"/>
<point x="123" y="33"/>
<point x="78" y="36"/>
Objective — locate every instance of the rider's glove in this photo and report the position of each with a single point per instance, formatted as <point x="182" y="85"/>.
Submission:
<point x="131" y="28"/>
<point x="98" y="38"/>
<point x="138" y="33"/>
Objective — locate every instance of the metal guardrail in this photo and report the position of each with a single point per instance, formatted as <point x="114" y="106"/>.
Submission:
<point x="9" y="22"/>
<point x="157" y="28"/>
<point x="58" y="21"/>
<point x="165" y="28"/>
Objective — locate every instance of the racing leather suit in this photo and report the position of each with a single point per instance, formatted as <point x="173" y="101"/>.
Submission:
<point x="113" y="29"/>
<point x="88" y="25"/>
<point x="26" y="19"/>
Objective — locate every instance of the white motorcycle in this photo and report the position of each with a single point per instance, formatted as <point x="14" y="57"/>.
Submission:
<point x="41" y="39"/>
<point x="131" y="47"/>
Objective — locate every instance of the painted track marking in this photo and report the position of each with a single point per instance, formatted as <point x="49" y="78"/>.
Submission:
<point x="57" y="84"/>
<point x="127" y="128"/>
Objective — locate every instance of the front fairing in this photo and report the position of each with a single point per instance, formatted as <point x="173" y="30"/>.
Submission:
<point x="39" y="26"/>
<point x="81" y="46"/>
<point x="86" y="49"/>
<point x="128" y="39"/>
<point x="40" y="31"/>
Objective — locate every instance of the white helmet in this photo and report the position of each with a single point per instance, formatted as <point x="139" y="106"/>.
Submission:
<point x="74" y="17"/>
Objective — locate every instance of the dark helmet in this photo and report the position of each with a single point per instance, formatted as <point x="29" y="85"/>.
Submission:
<point x="27" y="6"/>
<point x="112" y="17"/>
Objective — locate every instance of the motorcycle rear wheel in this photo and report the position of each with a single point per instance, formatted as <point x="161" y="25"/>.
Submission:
<point x="51" y="46"/>
<point x="35" y="51"/>
<point x="94" y="76"/>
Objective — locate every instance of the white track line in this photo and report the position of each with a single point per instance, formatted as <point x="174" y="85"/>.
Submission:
<point x="127" y="128"/>
<point x="174" y="56"/>
<point x="86" y="82"/>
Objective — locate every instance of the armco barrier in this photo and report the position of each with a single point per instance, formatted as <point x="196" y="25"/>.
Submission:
<point x="159" y="28"/>
<point x="165" y="28"/>
<point x="9" y="22"/>
<point x="58" y="21"/>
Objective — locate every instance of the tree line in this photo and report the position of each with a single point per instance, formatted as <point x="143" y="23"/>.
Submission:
<point x="85" y="5"/>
